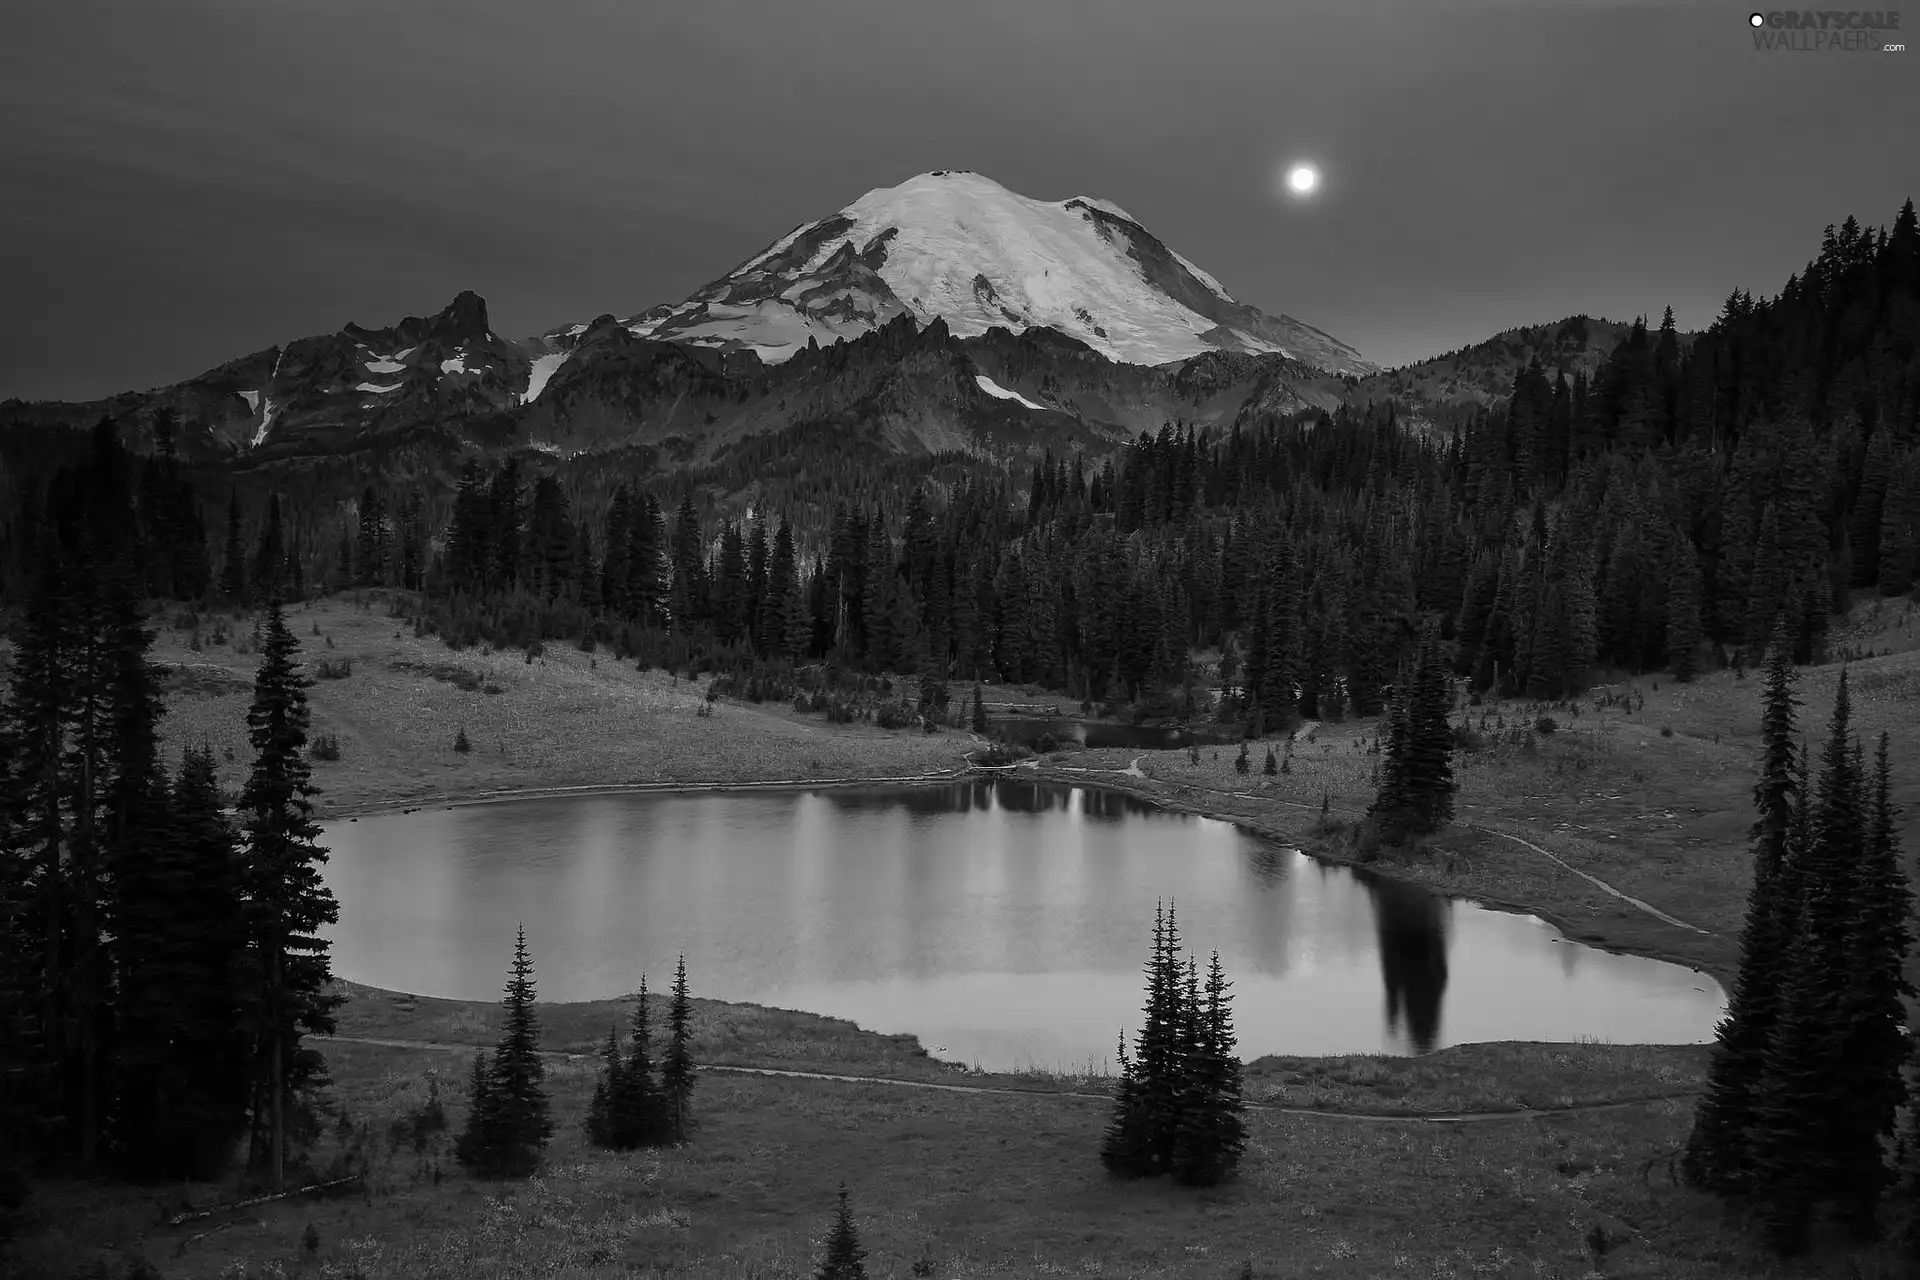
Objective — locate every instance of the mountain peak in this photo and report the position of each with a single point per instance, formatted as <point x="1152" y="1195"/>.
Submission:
<point x="955" y="245"/>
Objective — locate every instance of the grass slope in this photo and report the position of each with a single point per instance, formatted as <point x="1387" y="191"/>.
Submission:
<point x="566" y="719"/>
<point x="977" y="1184"/>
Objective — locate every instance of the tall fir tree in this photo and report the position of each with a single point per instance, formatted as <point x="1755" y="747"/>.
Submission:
<point x="509" y="1123"/>
<point x="636" y="1097"/>
<point x="1213" y="1131"/>
<point x="1718" y="1155"/>
<point x="676" y="1066"/>
<point x="287" y="901"/>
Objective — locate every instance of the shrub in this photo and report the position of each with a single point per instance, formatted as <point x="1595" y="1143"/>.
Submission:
<point x="1546" y="724"/>
<point x="326" y="746"/>
<point x="1468" y="738"/>
<point x="327" y="669"/>
<point x="1666" y="731"/>
<point x="460" y="742"/>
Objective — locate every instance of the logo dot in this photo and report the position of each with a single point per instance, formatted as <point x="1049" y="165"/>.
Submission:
<point x="1756" y="19"/>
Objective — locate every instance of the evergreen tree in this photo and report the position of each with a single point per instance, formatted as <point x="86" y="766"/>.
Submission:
<point x="1392" y="812"/>
<point x="600" y="1126"/>
<point x="269" y="577"/>
<point x="509" y="1125"/>
<point x="1874" y="1016"/>
<point x="1123" y="1148"/>
<point x="676" y="1068"/>
<point x="636" y="1100"/>
<point x="182" y="1045"/>
<point x="1428" y="760"/>
<point x="288" y="902"/>
<point x="1213" y="1131"/>
<point x="978" y="719"/>
<point x="474" y="1145"/>
<point x="1718" y="1154"/>
<point x="845" y="1258"/>
<point x="1682" y="640"/>
<point x="1792" y="1160"/>
<point x="233" y="570"/>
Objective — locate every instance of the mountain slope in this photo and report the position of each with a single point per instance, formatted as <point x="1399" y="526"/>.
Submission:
<point x="329" y="392"/>
<point x="1483" y="373"/>
<point x="959" y="247"/>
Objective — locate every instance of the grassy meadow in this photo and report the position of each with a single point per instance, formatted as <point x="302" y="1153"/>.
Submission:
<point x="565" y="719"/>
<point x="951" y="1184"/>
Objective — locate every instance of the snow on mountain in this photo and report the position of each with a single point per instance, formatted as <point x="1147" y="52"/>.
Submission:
<point x="543" y="369"/>
<point x="993" y="388"/>
<point x="960" y="247"/>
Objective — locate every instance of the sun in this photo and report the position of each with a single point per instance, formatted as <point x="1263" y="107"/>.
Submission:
<point x="1303" y="179"/>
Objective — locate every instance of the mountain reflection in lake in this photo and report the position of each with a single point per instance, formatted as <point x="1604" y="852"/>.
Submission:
<point x="1003" y="921"/>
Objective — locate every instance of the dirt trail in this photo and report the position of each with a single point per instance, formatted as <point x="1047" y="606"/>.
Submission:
<point x="1379" y="1117"/>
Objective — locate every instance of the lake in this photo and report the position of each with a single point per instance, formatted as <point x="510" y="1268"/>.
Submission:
<point x="1004" y="922"/>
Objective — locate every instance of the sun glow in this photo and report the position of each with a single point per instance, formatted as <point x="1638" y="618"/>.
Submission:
<point x="1302" y="179"/>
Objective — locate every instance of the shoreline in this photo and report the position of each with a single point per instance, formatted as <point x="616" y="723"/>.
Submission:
<point x="462" y="800"/>
<point x="1165" y="796"/>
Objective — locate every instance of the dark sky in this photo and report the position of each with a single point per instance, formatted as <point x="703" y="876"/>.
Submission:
<point x="188" y="181"/>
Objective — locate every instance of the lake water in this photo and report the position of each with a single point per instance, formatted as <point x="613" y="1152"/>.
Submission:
<point x="1003" y="922"/>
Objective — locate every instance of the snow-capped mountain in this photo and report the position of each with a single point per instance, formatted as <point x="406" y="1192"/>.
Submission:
<point x="945" y="313"/>
<point x="959" y="247"/>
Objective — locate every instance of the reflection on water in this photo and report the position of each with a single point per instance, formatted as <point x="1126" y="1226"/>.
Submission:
<point x="1002" y="920"/>
<point x="1412" y="925"/>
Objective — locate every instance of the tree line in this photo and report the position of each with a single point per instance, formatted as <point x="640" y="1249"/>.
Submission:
<point x="161" y="957"/>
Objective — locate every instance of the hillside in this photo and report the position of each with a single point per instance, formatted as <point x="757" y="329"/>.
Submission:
<point x="1483" y="373"/>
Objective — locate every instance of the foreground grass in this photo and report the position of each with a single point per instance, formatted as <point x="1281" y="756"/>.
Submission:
<point x="979" y="1185"/>
<point x="974" y="1184"/>
<point x="565" y="719"/>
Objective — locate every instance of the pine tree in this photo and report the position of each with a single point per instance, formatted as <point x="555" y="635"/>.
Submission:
<point x="1791" y="1159"/>
<point x="509" y="1133"/>
<point x="1123" y="1149"/>
<point x="474" y="1145"/>
<point x="233" y="569"/>
<point x="1213" y="1133"/>
<point x="676" y="1068"/>
<point x="845" y="1258"/>
<point x="1428" y="762"/>
<point x="1392" y="812"/>
<point x="1682" y="641"/>
<point x="1813" y="1139"/>
<point x="636" y="1102"/>
<point x="288" y="901"/>
<point x="269" y="577"/>
<point x="1718" y="1156"/>
<point x="978" y="720"/>
<point x="182" y="1047"/>
<point x="599" y="1125"/>
<point x="1873" y="1051"/>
